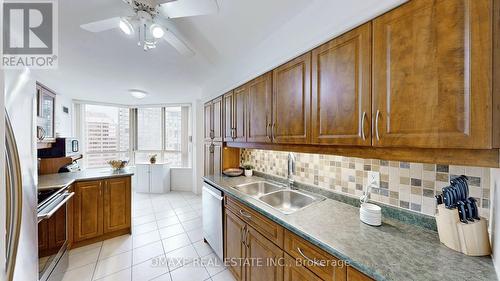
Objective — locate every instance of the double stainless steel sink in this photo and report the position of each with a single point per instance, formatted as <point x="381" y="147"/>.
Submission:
<point x="278" y="196"/>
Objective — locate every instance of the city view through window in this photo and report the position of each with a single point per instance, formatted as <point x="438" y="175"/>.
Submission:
<point x="108" y="133"/>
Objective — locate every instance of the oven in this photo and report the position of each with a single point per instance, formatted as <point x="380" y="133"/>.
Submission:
<point x="52" y="216"/>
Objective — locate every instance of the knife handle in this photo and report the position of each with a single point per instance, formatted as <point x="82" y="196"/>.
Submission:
<point x="475" y="210"/>
<point x="461" y="212"/>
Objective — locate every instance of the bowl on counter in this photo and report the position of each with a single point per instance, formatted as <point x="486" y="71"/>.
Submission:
<point x="117" y="164"/>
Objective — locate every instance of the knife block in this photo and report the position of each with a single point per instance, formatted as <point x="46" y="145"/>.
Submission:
<point x="469" y="238"/>
<point x="447" y="220"/>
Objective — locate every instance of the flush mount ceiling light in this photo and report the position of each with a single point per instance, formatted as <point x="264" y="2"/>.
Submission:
<point x="138" y="94"/>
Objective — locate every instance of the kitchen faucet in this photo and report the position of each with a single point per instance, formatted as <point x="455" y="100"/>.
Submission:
<point x="291" y="169"/>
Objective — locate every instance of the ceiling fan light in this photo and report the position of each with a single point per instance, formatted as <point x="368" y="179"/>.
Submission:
<point x="126" y="26"/>
<point x="157" y="31"/>
<point x="138" y="94"/>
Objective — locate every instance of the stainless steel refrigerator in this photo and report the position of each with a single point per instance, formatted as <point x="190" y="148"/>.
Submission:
<point x="20" y="194"/>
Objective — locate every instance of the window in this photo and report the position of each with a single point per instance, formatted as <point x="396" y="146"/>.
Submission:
<point x="106" y="131"/>
<point x="161" y="131"/>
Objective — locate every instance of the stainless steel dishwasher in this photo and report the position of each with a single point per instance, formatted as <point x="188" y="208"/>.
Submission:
<point x="212" y="218"/>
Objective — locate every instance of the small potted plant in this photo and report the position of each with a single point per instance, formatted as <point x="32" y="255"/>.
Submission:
<point x="248" y="170"/>
<point x="152" y="158"/>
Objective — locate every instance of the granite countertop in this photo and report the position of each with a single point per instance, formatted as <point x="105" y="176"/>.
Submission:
<point x="65" y="179"/>
<point x="393" y="251"/>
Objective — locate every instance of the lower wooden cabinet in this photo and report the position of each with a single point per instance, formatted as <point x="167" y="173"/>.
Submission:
<point x="101" y="210"/>
<point x="117" y="212"/>
<point x="87" y="210"/>
<point x="296" y="272"/>
<point x="234" y="248"/>
<point x="265" y="258"/>
<point x="253" y="254"/>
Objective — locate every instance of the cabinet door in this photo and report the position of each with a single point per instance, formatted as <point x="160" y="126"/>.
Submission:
<point x="227" y="103"/>
<point x="341" y="93"/>
<point x="142" y="174"/>
<point x="117" y="204"/>
<point x="295" y="272"/>
<point x="234" y="249"/>
<point x="217" y="119"/>
<point x="259" y="248"/>
<point x="157" y="178"/>
<point x="239" y="113"/>
<point x="259" y="107"/>
<point x="292" y="101"/>
<point x="88" y="209"/>
<point x="208" y="161"/>
<point x="432" y="78"/>
<point x="208" y="118"/>
<point x="354" y="275"/>
<point x="217" y="156"/>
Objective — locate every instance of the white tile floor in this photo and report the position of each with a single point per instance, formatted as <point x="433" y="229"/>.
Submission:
<point x="166" y="229"/>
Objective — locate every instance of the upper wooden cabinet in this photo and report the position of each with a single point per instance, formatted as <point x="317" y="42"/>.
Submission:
<point x="259" y="109"/>
<point x="213" y="120"/>
<point x="292" y="101"/>
<point x="217" y="119"/>
<point x="239" y="113"/>
<point x="46" y="104"/>
<point x="227" y="104"/>
<point x="341" y="89"/>
<point x="432" y="75"/>
<point x="208" y="125"/>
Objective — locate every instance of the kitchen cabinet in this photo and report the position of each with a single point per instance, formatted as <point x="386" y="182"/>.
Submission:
<point x="239" y="113"/>
<point x="217" y="119"/>
<point x="153" y="178"/>
<point x="117" y="210"/>
<point x="234" y="104"/>
<point x="354" y="275"/>
<point x="212" y="159"/>
<point x="432" y="75"/>
<point x="234" y="247"/>
<point x="294" y="272"/>
<point x="227" y="104"/>
<point x="260" y="248"/>
<point x="46" y="103"/>
<point x="341" y="89"/>
<point x="259" y="109"/>
<point x="249" y="237"/>
<point x="88" y="210"/>
<point x="207" y="114"/>
<point x="292" y="101"/>
<point x="101" y="210"/>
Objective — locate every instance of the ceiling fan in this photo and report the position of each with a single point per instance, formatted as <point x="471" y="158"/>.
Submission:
<point x="148" y="21"/>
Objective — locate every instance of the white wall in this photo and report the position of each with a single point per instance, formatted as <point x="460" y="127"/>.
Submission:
<point x="495" y="217"/>
<point x="181" y="179"/>
<point x="64" y="121"/>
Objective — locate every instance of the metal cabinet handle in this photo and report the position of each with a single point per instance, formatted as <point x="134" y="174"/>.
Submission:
<point x="269" y="136"/>
<point x="14" y="192"/>
<point x="246" y="238"/>
<point x="243" y="233"/>
<point x="376" y="124"/>
<point x="211" y="149"/>
<point x="309" y="259"/>
<point x="245" y="214"/>
<point x="363" y="125"/>
<point x="273" y="134"/>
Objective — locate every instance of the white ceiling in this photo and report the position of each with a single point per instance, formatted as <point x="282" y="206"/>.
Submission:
<point x="246" y="38"/>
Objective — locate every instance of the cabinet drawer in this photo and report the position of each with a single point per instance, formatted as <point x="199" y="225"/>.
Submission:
<point x="266" y="227"/>
<point x="318" y="261"/>
<point x="354" y="275"/>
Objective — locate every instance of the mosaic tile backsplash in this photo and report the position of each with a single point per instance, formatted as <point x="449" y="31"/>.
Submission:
<point x="406" y="185"/>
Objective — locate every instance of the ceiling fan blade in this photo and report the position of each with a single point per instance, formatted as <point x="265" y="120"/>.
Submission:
<point x="102" y="25"/>
<point x="189" y="8"/>
<point x="177" y="43"/>
<point x="164" y="1"/>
